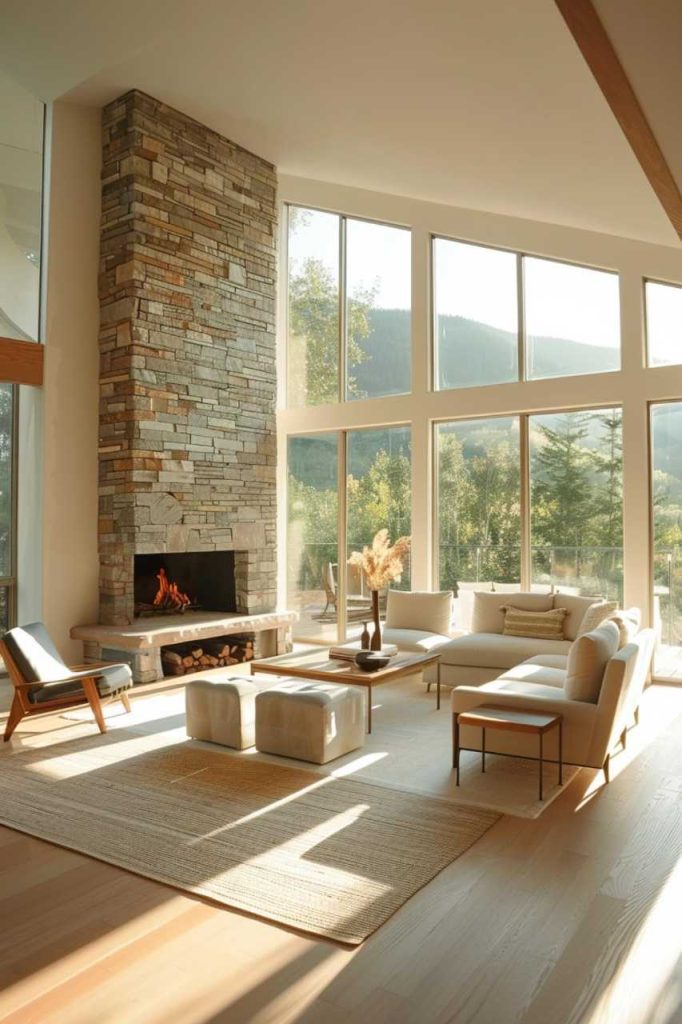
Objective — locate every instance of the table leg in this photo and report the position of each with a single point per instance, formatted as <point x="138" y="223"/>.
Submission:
<point x="541" y="765"/>
<point x="561" y="752"/>
<point x="369" y="709"/>
<point x="455" y="746"/>
<point x="482" y="750"/>
<point x="438" y="687"/>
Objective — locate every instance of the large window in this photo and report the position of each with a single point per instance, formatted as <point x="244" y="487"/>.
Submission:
<point x="21" y="168"/>
<point x="349" y="299"/>
<point x="312" y="533"/>
<point x="663" y="323"/>
<point x="376" y="494"/>
<point x="576" y="515"/>
<point x="666" y="466"/>
<point x="478" y="503"/>
<point x="502" y="317"/>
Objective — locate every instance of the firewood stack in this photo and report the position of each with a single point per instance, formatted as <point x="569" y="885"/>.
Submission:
<point x="182" y="659"/>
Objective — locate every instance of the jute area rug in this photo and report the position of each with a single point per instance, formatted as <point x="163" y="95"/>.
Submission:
<point x="332" y="856"/>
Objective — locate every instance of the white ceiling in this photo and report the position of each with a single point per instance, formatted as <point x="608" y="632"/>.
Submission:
<point x="484" y="104"/>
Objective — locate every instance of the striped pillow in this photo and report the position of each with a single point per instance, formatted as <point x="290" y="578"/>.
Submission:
<point x="540" y="625"/>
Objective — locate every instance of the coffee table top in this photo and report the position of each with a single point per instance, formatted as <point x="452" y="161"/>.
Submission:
<point x="317" y="665"/>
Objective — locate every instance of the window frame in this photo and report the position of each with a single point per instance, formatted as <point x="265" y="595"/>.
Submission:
<point x="342" y="339"/>
<point x="521" y="336"/>
<point x="645" y="310"/>
<point x="525" y="503"/>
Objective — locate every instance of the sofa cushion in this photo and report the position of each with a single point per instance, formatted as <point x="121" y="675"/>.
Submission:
<point x="492" y="650"/>
<point x="527" y="672"/>
<point x="549" y="661"/>
<point x="587" y="661"/>
<point x="488" y="616"/>
<point x="594" y="616"/>
<point x="628" y="624"/>
<point x="423" y="610"/>
<point x="576" y="606"/>
<point x="418" y="641"/>
<point x="542" y="625"/>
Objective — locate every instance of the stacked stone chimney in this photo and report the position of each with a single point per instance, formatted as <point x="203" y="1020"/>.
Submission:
<point x="187" y="342"/>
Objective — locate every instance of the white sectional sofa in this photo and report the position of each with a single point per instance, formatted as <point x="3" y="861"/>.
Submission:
<point x="596" y="690"/>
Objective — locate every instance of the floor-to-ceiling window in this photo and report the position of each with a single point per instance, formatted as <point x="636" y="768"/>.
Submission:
<point x="576" y="501"/>
<point x="666" y="495"/>
<point x="478" y="509"/>
<point x="21" y="169"/>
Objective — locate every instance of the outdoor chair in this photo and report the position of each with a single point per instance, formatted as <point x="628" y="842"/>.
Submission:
<point x="43" y="682"/>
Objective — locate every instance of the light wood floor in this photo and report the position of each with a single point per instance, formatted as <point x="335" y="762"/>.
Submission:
<point x="573" y="918"/>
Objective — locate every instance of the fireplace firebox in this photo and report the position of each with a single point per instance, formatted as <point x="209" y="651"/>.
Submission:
<point x="187" y="581"/>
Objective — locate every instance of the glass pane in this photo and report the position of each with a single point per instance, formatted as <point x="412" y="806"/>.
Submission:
<point x="475" y="302"/>
<point x="379" y="287"/>
<point x="313" y="343"/>
<point x="5" y="623"/>
<point x="379" y="496"/>
<point x="6" y="502"/>
<point x="312" y="534"/>
<point x="572" y="319"/>
<point x="666" y="460"/>
<point x="21" y="164"/>
<point x="478" y="511"/>
<point x="663" y="323"/>
<point x="576" y="476"/>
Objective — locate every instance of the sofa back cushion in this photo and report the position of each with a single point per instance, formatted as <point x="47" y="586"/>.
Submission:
<point x="587" y="661"/>
<point x="540" y="625"/>
<point x="577" y="606"/>
<point x="596" y="614"/>
<point x="425" y="610"/>
<point x="628" y="621"/>
<point x="488" y="616"/>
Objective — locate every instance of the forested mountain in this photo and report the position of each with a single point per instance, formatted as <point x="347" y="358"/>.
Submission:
<point x="467" y="350"/>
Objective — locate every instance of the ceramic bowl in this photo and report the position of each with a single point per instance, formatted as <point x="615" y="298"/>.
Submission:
<point x="371" y="661"/>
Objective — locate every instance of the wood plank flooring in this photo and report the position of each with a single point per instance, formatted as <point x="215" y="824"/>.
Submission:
<point x="572" y="918"/>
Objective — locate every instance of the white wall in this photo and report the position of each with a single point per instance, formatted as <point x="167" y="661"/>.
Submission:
<point x="633" y="387"/>
<point x="70" y="393"/>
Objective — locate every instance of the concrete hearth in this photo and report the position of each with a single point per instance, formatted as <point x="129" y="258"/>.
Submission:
<point x="140" y="643"/>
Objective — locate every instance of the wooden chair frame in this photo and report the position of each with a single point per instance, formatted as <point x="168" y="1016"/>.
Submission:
<point x="22" y="706"/>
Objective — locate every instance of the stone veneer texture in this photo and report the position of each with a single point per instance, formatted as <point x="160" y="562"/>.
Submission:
<point x="187" y="444"/>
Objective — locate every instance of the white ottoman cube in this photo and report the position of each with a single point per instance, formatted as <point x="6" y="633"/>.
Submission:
<point x="310" y="721"/>
<point x="222" y="710"/>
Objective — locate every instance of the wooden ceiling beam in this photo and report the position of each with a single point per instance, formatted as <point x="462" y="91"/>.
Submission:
<point x="596" y="47"/>
<point x="21" y="362"/>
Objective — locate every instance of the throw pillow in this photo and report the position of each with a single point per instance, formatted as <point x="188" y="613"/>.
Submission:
<point x="576" y="605"/>
<point x="429" y="611"/>
<point x="587" y="660"/>
<point x="595" y="615"/>
<point x="488" y="616"/>
<point x="547" y="625"/>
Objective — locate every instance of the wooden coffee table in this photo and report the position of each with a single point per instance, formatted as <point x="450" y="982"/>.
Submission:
<point x="316" y="665"/>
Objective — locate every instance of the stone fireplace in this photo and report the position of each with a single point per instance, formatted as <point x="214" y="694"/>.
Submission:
<point x="187" y="343"/>
<point x="187" y="447"/>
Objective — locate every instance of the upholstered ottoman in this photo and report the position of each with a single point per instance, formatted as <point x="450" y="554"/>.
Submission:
<point x="223" y="710"/>
<point x="310" y="721"/>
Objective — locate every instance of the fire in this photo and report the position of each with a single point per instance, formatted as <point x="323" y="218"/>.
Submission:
<point x="169" y="594"/>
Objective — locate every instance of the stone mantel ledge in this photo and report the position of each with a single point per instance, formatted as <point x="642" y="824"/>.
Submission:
<point x="154" y="632"/>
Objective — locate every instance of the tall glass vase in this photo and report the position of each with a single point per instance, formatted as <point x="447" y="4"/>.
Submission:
<point x="375" y="644"/>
